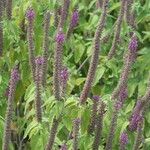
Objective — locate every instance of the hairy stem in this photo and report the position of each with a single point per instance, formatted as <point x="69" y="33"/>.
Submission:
<point x="117" y="30"/>
<point x="45" y="46"/>
<point x="95" y="55"/>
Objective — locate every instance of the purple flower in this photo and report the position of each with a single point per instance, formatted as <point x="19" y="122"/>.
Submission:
<point x="30" y="13"/>
<point x="63" y="147"/>
<point x="39" y="60"/>
<point x="96" y="98"/>
<point x="15" y="74"/>
<point x="74" y="18"/>
<point x="122" y="95"/>
<point x="123" y="138"/>
<point x="59" y="38"/>
<point x="132" y="46"/>
<point x="136" y="116"/>
<point x="64" y="74"/>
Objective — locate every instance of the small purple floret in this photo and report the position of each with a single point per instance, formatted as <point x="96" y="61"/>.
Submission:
<point x="39" y="60"/>
<point x="64" y="74"/>
<point x="133" y="44"/>
<point x="30" y="13"/>
<point x="123" y="138"/>
<point x="15" y="74"/>
<point x="96" y="98"/>
<point x="59" y="38"/>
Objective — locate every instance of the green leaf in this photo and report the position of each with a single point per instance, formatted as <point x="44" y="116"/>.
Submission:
<point x="98" y="75"/>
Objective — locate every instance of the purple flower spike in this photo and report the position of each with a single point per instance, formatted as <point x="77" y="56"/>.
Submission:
<point x="59" y="38"/>
<point x="123" y="138"/>
<point x="74" y="18"/>
<point x="134" y="121"/>
<point x="63" y="147"/>
<point x="136" y="116"/>
<point x="30" y="13"/>
<point x="96" y="98"/>
<point x="39" y="60"/>
<point x="64" y="74"/>
<point x="15" y="74"/>
<point x="133" y="43"/>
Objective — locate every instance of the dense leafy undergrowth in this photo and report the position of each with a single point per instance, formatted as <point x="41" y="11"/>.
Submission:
<point x="68" y="94"/>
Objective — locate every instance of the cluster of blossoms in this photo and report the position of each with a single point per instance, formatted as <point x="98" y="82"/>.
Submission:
<point x="64" y="74"/>
<point x="74" y="18"/>
<point x="136" y="116"/>
<point x="122" y="95"/>
<point x="60" y="37"/>
<point x="39" y="60"/>
<point x="30" y="14"/>
<point x="123" y="138"/>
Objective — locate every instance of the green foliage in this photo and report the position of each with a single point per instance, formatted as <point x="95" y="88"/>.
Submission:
<point x="76" y="49"/>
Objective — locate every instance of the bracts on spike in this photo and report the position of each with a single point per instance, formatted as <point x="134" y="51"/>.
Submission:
<point x="123" y="140"/>
<point x="76" y="124"/>
<point x="30" y="16"/>
<point x="64" y="13"/>
<point x="73" y="22"/>
<point x="9" y="9"/>
<point x="129" y="14"/>
<point x="99" y="126"/>
<point x="52" y="134"/>
<point x="57" y="13"/>
<point x="99" y="3"/>
<point x="64" y="77"/>
<point x="138" y="138"/>
<point x="38" y="85"/>
<point x="92" y="124"/>
<point x="45" y="46"/>
<point x="95" y="55"/>
<point x="117" y="30"/>
<point x="1" y="28"/>
<point x="59" y="39"/>
<point x="7" y="129"/>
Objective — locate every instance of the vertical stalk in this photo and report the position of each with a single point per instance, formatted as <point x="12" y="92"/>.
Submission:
<point x="99" y="126"/>
<point x="1" y="27"/>
<point x="95" y="55"/>
<point x="45" y="46"/>
<point x="117" y="30"/>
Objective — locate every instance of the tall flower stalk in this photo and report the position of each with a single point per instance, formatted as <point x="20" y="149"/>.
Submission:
<point x="38" y="85"/>
<point x="138" y="138"/>
<point x="9" y="112"/>
<point x="76" y="124"/>
<point x="1" y="28"/>
<point x="64" y="13"/>
<point x="52" y="134"/>
<point x="99" y="126"/>
<point x="92" y="124"/>
<point x="9" y="9"/>
<point x="57" y="16"/>
<point x="95" y="55"/>
<point x="120" y="93"/>
<point x="129" y="14"/>
<point x="59" y="39"/>
<point x="30" y="16"/>
<point x="45" y="46"/>
<point x="117" y="30"/>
